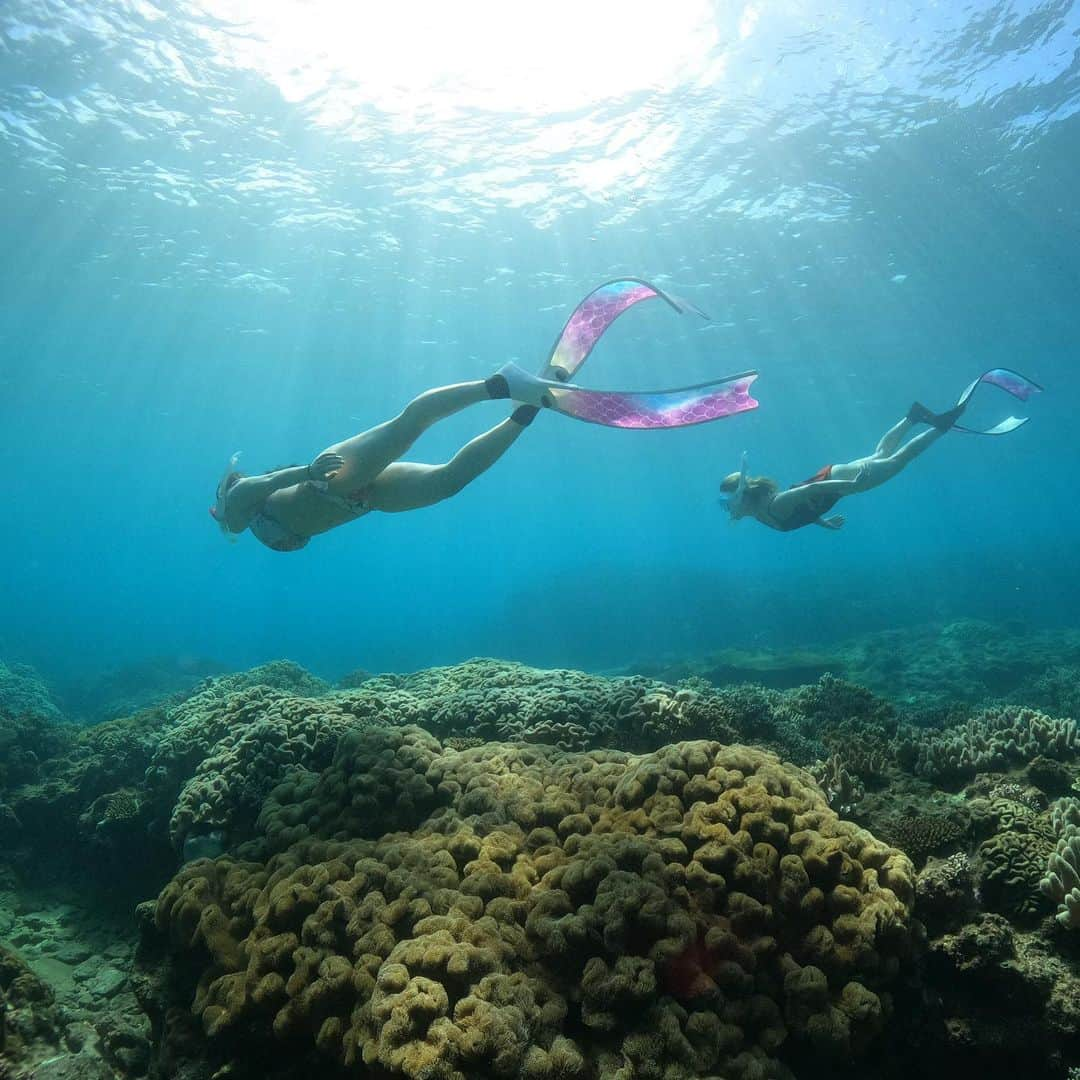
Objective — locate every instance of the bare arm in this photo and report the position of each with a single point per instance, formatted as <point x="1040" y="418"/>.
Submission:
<point x="834" y="522"/>
<point x="250" y="492"/>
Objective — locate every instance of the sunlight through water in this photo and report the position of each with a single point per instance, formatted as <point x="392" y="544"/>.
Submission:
<point x="412" y="57"/>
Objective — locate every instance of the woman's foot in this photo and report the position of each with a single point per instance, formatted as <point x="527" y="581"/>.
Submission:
<point x="520" y="386"/>
<point x="944" y="421"/>
<point x="920" y="414"/>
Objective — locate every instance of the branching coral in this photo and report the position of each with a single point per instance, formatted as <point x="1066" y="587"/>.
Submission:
<point x="920" y="835"/>
<point x="995" y="739"/>
<point x="836" y="703"/>
<point x="843" y="789"/>
<point x="1062" y="881"/>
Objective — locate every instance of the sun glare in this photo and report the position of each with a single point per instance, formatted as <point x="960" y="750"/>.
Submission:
<point x="490" y="55"/>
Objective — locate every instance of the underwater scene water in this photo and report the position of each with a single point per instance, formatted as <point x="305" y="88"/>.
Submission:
<point x="573" y="759"/>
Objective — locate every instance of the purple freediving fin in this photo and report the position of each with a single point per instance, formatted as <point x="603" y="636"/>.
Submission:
<point x="594" y="315"/>
<point x="1012" y="382"/>
<point x="657" y="409"/>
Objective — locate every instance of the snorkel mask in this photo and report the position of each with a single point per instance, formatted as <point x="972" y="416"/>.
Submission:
<point x="734" y="502"/>
<point x="217" y="511"/>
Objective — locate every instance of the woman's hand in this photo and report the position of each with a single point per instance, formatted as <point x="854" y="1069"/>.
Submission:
<point x="325" y="467"/>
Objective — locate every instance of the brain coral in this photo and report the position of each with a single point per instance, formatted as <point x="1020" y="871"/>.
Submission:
<point x="685" y="913"/>
<point x="1013" y="859"/>
<point x="499" y="700"/>
<point x="260" y="733"/>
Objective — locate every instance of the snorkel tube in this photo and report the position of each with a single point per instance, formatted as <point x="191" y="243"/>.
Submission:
<point x="217" y="511"/>
<point x="734" y="502"/>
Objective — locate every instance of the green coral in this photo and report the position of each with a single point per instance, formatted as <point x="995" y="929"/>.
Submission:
<point x="921" y="835"/>
<point x="1013" y="858"/>
<point x="24" y="693"/>
<point x="842" y="787"/>
<point x="263" y="733"/>
<point x="120" y="806"/>
<point x="1013" y="865"/>
<point x="996" y="739"/>
<point x="31" y="727"/>
<point x="1061" y="882"/>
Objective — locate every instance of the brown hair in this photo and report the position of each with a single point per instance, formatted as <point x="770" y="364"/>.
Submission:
<point x="225" y="484"/>
<point x="759" y="490"/>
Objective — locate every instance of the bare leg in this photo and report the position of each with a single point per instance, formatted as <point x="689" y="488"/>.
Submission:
<point x="873" y="471"/>
<point x="407" y="485"/>
<point x="891" y="439"/>
<point x="368" y="454"/>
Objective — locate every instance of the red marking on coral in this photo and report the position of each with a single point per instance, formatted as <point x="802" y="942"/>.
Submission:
<point x="686" y="976"/>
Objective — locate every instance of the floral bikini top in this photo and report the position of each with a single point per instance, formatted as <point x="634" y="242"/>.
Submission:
<point x="275" y="536"/>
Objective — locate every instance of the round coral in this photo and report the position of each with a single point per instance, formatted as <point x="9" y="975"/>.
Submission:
<point x="690" y="912"/>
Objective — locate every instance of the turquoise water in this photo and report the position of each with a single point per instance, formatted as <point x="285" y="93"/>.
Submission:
<point x="264" y="227"/>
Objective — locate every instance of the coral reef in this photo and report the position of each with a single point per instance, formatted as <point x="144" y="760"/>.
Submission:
<point x="975" y="969"/>
<point x="1061" y="883"/>
<point x="263" y="734"/>
<point x="842" y="787"/>
<point x="27" y="1015"/>
<point x="836" y="703"/>
<point x="691" y="911"/>
<point x="495" y="870"/>
<point x="922" y="669"/>
<point x="945" y="891"/>
<point x="107" y="793"/>
<point x="921" y="835"/>
<point x="31" y="726"/>
<point x="23" y="693"/>
<point x="94" y="765"/>
<point x="997" y="738"/>
<point x="1012" y="858"/>
<point x="496" y="700"/>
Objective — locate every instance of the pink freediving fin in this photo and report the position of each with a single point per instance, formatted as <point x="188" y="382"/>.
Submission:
<point x="643" y="410"/>
<point x="1012" y="382"/>
<point x="595" y="314"/>
<point x="658" y="409"/>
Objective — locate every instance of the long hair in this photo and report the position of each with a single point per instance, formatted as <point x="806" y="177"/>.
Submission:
<point x="758" y="491"/>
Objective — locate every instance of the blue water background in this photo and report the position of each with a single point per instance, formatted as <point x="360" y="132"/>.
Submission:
<point x="872" y="207"/>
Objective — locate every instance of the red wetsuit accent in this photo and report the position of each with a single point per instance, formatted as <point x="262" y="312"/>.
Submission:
<point x="824" y="473"/>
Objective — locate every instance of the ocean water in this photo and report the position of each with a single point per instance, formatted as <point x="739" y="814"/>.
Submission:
<point x="236" y="225"/>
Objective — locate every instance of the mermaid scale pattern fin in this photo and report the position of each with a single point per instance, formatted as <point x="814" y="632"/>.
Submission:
<point x="595" y="314"/>
<point x="656" y="410"/>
